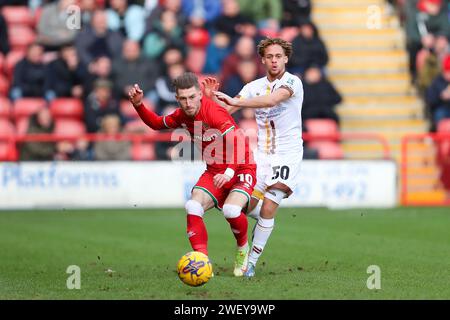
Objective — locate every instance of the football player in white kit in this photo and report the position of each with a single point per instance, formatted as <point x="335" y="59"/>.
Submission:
<point x="278" y="99"/>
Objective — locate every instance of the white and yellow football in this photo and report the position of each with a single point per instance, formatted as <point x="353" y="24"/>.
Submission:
<point x="194" y="268"/>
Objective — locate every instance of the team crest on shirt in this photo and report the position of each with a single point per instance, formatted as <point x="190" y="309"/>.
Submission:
<point x="290" y="81"/>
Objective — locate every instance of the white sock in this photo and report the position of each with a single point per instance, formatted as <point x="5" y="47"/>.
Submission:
<point x="255" y="213"/>
<point x="262" y="233"/>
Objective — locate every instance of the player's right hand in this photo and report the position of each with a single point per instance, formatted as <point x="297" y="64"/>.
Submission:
<point x="135" y="95"/>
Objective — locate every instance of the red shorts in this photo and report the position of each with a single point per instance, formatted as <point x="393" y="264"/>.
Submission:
<point x="244" y="181"/>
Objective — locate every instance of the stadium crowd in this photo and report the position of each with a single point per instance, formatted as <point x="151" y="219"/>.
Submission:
<point x="427" y="30"/>
<point x="117" y="43"/>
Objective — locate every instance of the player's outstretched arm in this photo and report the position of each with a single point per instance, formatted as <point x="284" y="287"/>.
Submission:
<point x="135" y="95"/>
<point x="266" y="101"/>
<point x="211" y="85"/>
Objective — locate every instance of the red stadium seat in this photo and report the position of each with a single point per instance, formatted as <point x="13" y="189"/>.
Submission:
<point x="138" y="126"/>
<point x="69" y="108"/>
<point x="7" y="129"/>
<point x="323" y="129"/>
<point x="25" y="107"/>
<point x="22" y="126"/>
<point x="4" y="85"/>
<point x="69" y="128"/>
<point x="197" y="37"/>
<point x="143" y="151"/>
<point x="20" y="37"/>
<point x="7" y="152"/>
<point x="18" y="15"/>
<point x="444" y="125"/>
<point x="127" y="109"/>
<point x="5" y="108"/>
<point x="327" y="149"/>
<point x="11" y="60"/>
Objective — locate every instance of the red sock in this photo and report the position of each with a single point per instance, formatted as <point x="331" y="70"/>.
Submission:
<point x="239" y="227"/>
<point x="198" y="236"/>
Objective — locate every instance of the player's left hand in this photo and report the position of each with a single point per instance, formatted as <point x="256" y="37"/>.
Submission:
<point x="226" y="98"/>
<point x="220" y="179"/>
<point x="210" y="84"/>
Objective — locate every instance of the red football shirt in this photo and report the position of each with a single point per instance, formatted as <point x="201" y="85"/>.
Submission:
<point x="212" y="129"/>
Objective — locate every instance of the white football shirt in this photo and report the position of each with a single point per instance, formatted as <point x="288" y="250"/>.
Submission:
<point x="279" y="127"/>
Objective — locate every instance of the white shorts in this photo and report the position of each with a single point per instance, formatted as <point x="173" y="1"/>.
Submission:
<point x="274" y="168"/>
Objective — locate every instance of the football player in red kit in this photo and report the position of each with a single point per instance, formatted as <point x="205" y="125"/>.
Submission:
<point x="230" y="175"/>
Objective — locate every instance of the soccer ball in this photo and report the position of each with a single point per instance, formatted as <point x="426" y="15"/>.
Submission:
<point x="194" y="268"/>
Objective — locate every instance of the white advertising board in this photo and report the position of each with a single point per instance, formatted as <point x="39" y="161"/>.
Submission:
<point x="167" y="184"/>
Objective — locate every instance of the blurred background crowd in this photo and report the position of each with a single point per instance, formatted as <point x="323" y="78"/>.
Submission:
<point x="63" y="78"/>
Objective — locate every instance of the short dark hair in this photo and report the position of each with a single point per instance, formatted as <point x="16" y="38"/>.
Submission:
<point x="185" y="81"/>
<point x="286" y="45"/>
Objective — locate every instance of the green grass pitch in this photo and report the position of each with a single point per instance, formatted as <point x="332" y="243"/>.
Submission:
<point x="312" y="254"/>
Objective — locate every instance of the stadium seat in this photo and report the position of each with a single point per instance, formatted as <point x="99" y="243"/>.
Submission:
<point x="11" y="60"/>
<point x="7" y="152"/>
<point x="18" y="15"/>
<point x="68" y="108"/>
<point x="69" y="128"/>
<point x="25" y="107"/>
<point x="7" y="129"/>
<point x="22" y="126"/>
<point x="20" y="37"/>
<point x="328" y="150"/>
<point x="138" y="126"/>
<point x="323" y="129"/>
<point x="444" y="125"/>
<point x="127" y="109"/>
<point x="143" y="151"/>
<point x="197" y="37"/>
<point x="4" y="86"/>
<point x="5" y="108"/>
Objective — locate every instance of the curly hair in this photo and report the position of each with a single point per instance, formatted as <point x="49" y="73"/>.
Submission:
<point x="263" y="44"/>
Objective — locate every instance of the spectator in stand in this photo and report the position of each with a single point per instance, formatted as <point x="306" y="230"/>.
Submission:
<point x="429" y="60"/>
<point x="295" y="12"/>
<point x="112" y="149"/>
<point x="88" y="8"/>
<point x="216" y="52"/>
<point x="438" y="95"/>
<point x="40" y="122"/>
<point x="320" y="97"/>
<point x="264" y="12"/>
<point x="309" y="50"/>
<point x="100" y="68"/>
<point x="99" y="104"/>
<point x="4" y="43"/>
<point x="52" y="27"/>
<point x="201" y="13"/>
<point x="247" y="71"/>
<point x="167" y="5"/>
<point x="243" y="50"/>
<point x="172" y="55"/>
<point x="64" y="76"/>
<point x="231" y="21"/>
<point x="166" y="33"/>
<point x="133" y="68"/>
<point x="127" y="19"/>
<point x="29" y="74"/>
<point x="424" y="17"/>
<point x="164" y="88"/>
<point x="97" y="41"/>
